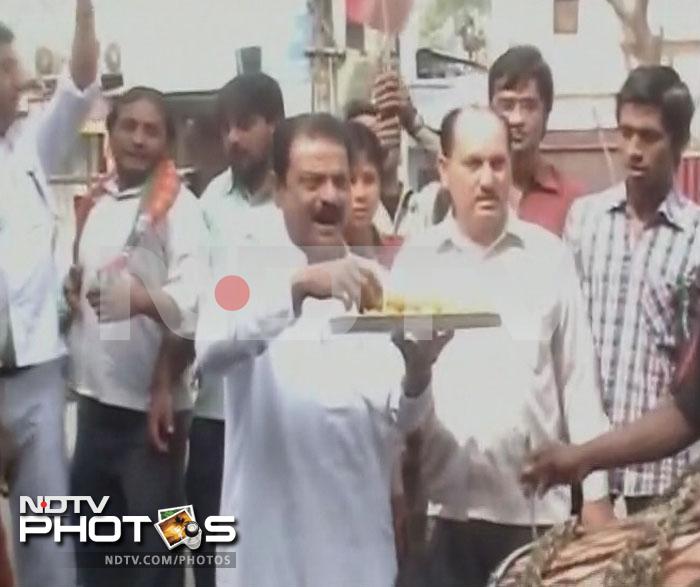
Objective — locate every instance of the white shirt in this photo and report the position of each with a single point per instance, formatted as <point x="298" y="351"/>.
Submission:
<point x="312" y="423"/>
<point x="535" y="375"/>
<point x="30" y="151"/>
<point x="235" y="218"/>
<point x="414" y="213"/>
<point x="113" y="362"/>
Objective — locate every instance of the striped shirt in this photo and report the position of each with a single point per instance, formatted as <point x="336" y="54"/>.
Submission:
<point x="633" y="292"/>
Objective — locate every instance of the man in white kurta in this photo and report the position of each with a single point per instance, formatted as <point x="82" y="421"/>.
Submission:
<point x="312" y="418"/>
<point x="31" y="350"/>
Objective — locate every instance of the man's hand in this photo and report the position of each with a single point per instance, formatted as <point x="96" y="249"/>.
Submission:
<point x="389" y="133"/>
<point x="391" y="98"/>
<point x="121" y="298"/>
<point x="161" y="421"/>
<point x="72" y="288"/>
<point x="597" y="514"/>
<point x="419" y="357"/>
<point x="556" y="464"/>
<point x="174" y="356"/>
<point x="86" y="49"/>
<point x="345" y="279"/>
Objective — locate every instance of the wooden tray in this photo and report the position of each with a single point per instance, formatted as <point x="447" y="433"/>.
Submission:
<point x="413" y="322"/>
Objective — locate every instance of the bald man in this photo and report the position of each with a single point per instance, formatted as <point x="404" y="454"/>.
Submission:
<point x="498" y="391"/>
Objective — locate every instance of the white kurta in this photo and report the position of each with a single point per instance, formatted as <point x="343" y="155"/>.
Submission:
<point x="30" y="151"/>
<point x="113" y="362"/>
<point x="312" y="425"/>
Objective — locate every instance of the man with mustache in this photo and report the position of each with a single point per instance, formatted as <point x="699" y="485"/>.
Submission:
<point x="312" y="418"/>
<point x="32" y="387"/>
<point x="637" y="253"/>
<point x="498" y="391"/>
<point x="239" y="209"/>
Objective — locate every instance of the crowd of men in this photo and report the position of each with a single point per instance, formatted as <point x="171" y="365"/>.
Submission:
<point x="195" y="333"/>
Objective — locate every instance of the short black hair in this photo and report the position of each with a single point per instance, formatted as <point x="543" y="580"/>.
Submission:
<point x="447" y="127"/>
<point x="356" y="108"/>
<point x="520" y="64"/>
<point x="661" y="86"/>
<point x="6" y="34"/>
<point x="155" y="97"/>
<point x="248" y="95"/>
<point x="321" y="125"/>
<point x="366" y="144"/>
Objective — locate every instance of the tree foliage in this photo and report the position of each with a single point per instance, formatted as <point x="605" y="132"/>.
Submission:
<point x="639" y="44"/>
<point x="441" y="10"/>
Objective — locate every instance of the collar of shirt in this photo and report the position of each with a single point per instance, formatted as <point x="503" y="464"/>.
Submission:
<point x="112" y="189"/>
<point x="670" y="210"/>
<point x="546" y="178"/>
<point x="234" y="187"/>
<point x="451" y="236"/>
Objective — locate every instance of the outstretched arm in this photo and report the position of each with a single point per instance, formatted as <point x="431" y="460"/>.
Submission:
<point x="71" y="103"/>
<point x="657" y="434"/>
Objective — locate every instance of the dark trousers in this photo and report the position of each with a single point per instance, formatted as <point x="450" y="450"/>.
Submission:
<point x="204" y="477"/>
<point x="113" y="457"/>
<point x="464" y="554"/>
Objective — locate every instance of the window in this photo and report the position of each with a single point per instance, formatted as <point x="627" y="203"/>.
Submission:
<point x="566" y="17"/>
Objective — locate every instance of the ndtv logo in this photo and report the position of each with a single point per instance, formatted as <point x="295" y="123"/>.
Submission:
<point x="47" y="516"/>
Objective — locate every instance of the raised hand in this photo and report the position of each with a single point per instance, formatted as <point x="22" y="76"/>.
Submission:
<point x="86" y="49"/>
<point x="388" y="132"/>
<point x="391" y="98"/>
<point x="420" y="355"/>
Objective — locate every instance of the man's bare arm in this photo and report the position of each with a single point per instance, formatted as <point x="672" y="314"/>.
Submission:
<point x="174" y="355"/>
<point x="85" y="53"/>
<point x="657" y="434"/>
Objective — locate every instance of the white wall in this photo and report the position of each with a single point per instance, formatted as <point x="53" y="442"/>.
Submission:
<point x="591" y="61"/>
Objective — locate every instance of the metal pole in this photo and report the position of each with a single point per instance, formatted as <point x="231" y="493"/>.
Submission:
<point x="324" y="57"/>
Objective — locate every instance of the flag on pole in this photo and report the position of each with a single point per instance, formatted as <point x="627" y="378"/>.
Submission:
<point x="386" y="16"/>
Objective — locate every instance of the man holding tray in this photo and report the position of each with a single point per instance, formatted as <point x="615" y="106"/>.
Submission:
<point x="500" y="391"/>
<point x="312" y="419"/>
